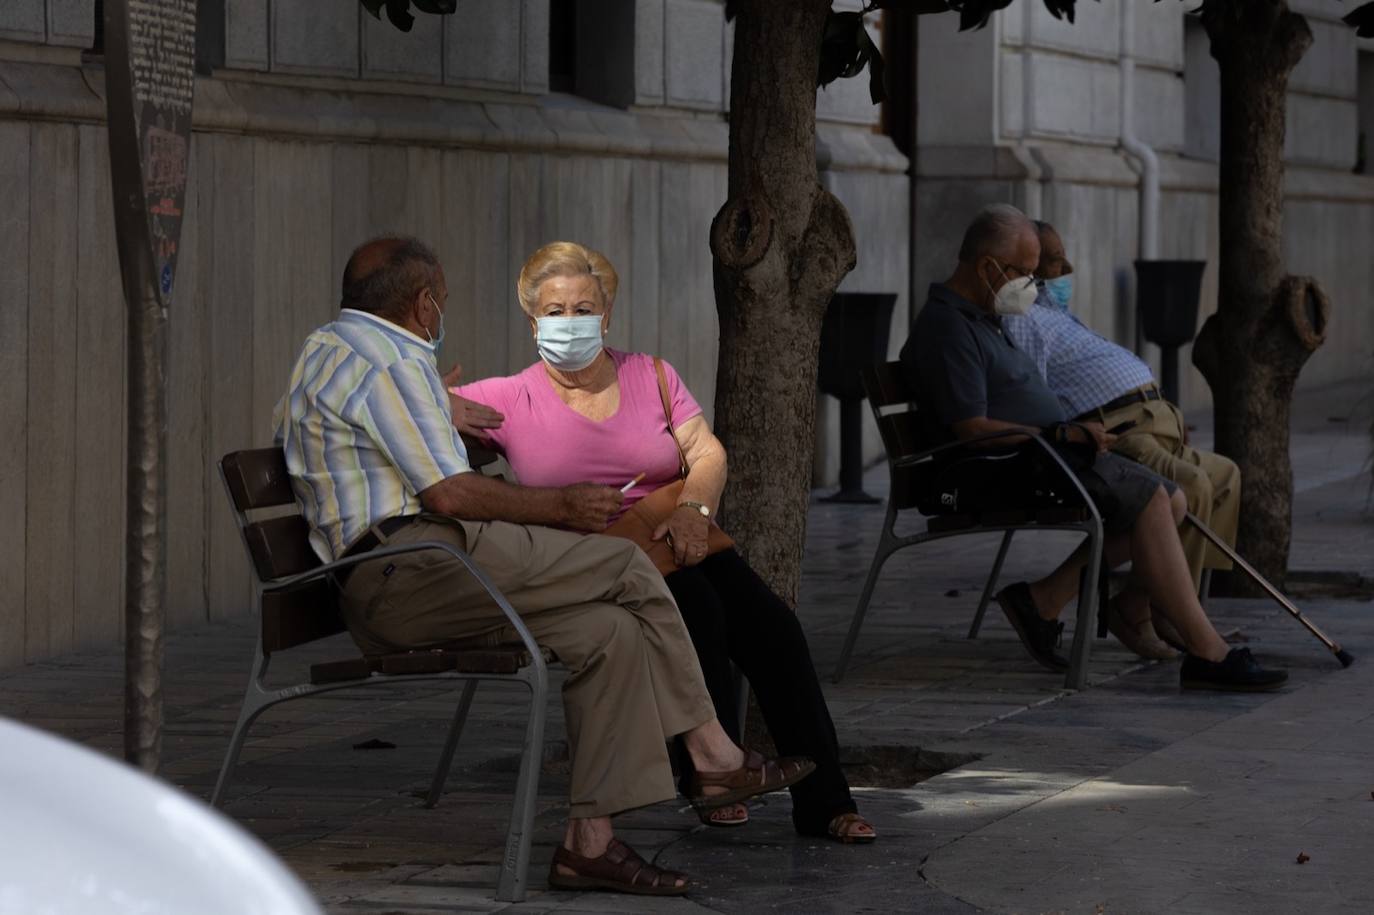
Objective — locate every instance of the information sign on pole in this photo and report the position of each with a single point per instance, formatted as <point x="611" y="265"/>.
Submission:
<point x="150" y="80"/>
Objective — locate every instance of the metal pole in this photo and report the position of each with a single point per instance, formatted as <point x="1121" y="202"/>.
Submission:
<point x="145" y="578"/>
<point x="149" y="83"/>
<point x="1168" y="373"/>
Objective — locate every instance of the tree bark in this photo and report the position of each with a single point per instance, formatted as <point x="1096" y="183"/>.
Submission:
<point x="1267" y="324"/>
<point x="781" y="244"/>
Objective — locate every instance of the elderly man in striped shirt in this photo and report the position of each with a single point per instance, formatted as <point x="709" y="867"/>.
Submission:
<point x="1097" y="380"/>
<point x="374" y="458"/>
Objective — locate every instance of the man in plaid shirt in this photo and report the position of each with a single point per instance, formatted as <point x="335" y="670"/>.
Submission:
<point x="1097" y="380"/>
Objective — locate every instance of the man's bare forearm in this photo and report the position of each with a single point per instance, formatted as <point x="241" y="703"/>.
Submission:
<point x="982" y="425"/>
<point x="474" y="497"/>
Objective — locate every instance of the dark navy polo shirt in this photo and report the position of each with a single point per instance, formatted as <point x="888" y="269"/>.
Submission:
<point x="963" y="366"/>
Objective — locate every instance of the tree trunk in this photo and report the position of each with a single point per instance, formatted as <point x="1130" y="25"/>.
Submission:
<point x="781" y="243"/>
<point x="1267" y="324"/>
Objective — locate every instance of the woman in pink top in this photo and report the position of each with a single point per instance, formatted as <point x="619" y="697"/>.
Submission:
<point x="585" y="413"/>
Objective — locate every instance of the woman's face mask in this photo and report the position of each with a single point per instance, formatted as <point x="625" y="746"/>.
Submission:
<point x="569" y="344"/>
<point x="570" y="321"/>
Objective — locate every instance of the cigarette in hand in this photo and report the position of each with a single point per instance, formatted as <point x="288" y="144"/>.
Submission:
<point x="630" y="485"/>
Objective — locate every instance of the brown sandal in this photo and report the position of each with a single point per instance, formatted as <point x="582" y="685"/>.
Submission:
<point x="620" y="869"/>
<point x="757" y="776"/>
<point x="840" y="826"/>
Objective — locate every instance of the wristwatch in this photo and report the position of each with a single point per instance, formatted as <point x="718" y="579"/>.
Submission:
<point x="696" y="507"/>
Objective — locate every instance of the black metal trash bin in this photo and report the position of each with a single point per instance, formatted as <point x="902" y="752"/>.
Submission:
<point x="854" y="334"/>
<point x="1167" y="295"/>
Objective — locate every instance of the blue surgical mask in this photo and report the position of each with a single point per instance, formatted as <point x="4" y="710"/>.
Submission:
<point x="569" y="344"/>
<point x="434" y="341"/>
<point x="1058" y="291"/>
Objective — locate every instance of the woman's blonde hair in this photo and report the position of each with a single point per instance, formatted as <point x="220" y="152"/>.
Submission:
<point x="564" y="258"/>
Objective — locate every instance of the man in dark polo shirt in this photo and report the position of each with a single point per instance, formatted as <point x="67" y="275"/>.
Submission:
<point x="971" y="380"/>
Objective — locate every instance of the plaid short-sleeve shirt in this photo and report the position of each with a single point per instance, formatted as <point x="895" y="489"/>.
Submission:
<point x="366" y="427"/>
<point x="1083" y="369"/>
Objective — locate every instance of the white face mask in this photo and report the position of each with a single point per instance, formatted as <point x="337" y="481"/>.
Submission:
<point x="569" y="344"/>
<point x="1016" y="296"/>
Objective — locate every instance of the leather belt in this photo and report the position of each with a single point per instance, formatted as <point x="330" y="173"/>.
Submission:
<point x="1139" y="395"/>
<point x="369" y="541"/>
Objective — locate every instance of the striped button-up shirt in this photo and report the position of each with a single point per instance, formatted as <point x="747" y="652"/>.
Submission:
<point x="366" y="427"/>
<point x="1083" y="369"/>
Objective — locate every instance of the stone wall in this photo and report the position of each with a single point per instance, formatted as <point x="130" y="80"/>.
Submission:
<point x="316" y="138"/>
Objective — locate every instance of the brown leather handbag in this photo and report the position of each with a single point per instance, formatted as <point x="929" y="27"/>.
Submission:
<point x="644" y="517"/>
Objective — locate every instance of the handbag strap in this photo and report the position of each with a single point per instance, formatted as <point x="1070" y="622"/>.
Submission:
<point x="668" y="414"/>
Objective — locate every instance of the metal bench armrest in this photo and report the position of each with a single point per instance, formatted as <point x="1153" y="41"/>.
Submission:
<point x="1056" y="459"/>
<point x="292" y="581"/>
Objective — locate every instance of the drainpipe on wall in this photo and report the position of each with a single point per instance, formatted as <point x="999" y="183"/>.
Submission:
<point x="1025" y="153"/>
<point x="1138" y="150"/>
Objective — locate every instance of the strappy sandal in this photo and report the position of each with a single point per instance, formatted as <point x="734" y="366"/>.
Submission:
<point x="619" y="870"/>
<point x="757" y="776"/>
<point x="839" y="830"/>
<point x="718" y="818"/>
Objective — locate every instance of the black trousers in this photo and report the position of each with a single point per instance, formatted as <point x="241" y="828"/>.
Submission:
<point x="732" y="615"/>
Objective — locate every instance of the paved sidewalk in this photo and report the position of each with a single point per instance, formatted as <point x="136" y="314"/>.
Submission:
<point x="1128" y="797"/>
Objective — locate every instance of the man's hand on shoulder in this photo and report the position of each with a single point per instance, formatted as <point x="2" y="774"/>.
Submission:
<point x="589" y="506"/>
<point x="469" y="416"/>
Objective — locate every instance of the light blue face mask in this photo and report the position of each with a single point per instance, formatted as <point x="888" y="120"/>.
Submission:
<point x="569" y="344"/>
<point x="435" y="341"/>
<point x="1058" y="291"/>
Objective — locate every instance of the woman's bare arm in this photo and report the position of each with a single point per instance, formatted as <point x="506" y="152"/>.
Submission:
<point x="706" y="463"/>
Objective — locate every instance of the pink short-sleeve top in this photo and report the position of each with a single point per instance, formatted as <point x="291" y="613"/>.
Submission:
<point x="548" y="443"/>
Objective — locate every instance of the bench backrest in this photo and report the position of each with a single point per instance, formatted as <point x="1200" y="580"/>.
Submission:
<point x="278" y="546"/>
<point x="899" y="423"/>
<point x="894" y="409"/>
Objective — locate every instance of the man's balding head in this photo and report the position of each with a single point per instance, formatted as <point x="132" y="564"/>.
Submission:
<point x="996" y="232"/>
<point x="385" y="276"/>
<point x="1000" y="245"/>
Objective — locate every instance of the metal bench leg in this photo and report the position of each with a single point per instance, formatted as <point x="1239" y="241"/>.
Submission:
<point x="515" y="863"/>
<point x="991" y="586"/>
<point x="1204" y="587"/>
<point x="255" y="701"/>
<point x="1086" y="625"/>
<point x="885" y="549"/>
<point x="455" y="731"/>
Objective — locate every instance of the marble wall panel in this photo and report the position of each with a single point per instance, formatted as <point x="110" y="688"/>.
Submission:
<point x="15" y="140"/>
<point x="483" y="45"/>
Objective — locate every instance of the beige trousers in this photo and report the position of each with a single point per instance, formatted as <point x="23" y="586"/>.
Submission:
<point x="596" y="602"/>
<point x="1209" y="481"/>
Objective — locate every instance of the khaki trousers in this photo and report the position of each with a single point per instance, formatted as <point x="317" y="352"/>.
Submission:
<point x="596" y="602"/>
<point x="1209" y="481"/>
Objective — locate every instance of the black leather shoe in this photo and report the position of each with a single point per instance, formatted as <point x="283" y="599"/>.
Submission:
<point x="1239" y="672"/>
<point x="1040" y="636"/>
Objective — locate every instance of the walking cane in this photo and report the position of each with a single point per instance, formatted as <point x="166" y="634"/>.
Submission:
<point x="1345" y="657"/>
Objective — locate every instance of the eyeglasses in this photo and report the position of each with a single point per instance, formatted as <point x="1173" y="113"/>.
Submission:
<point x="1030" y="275"/>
